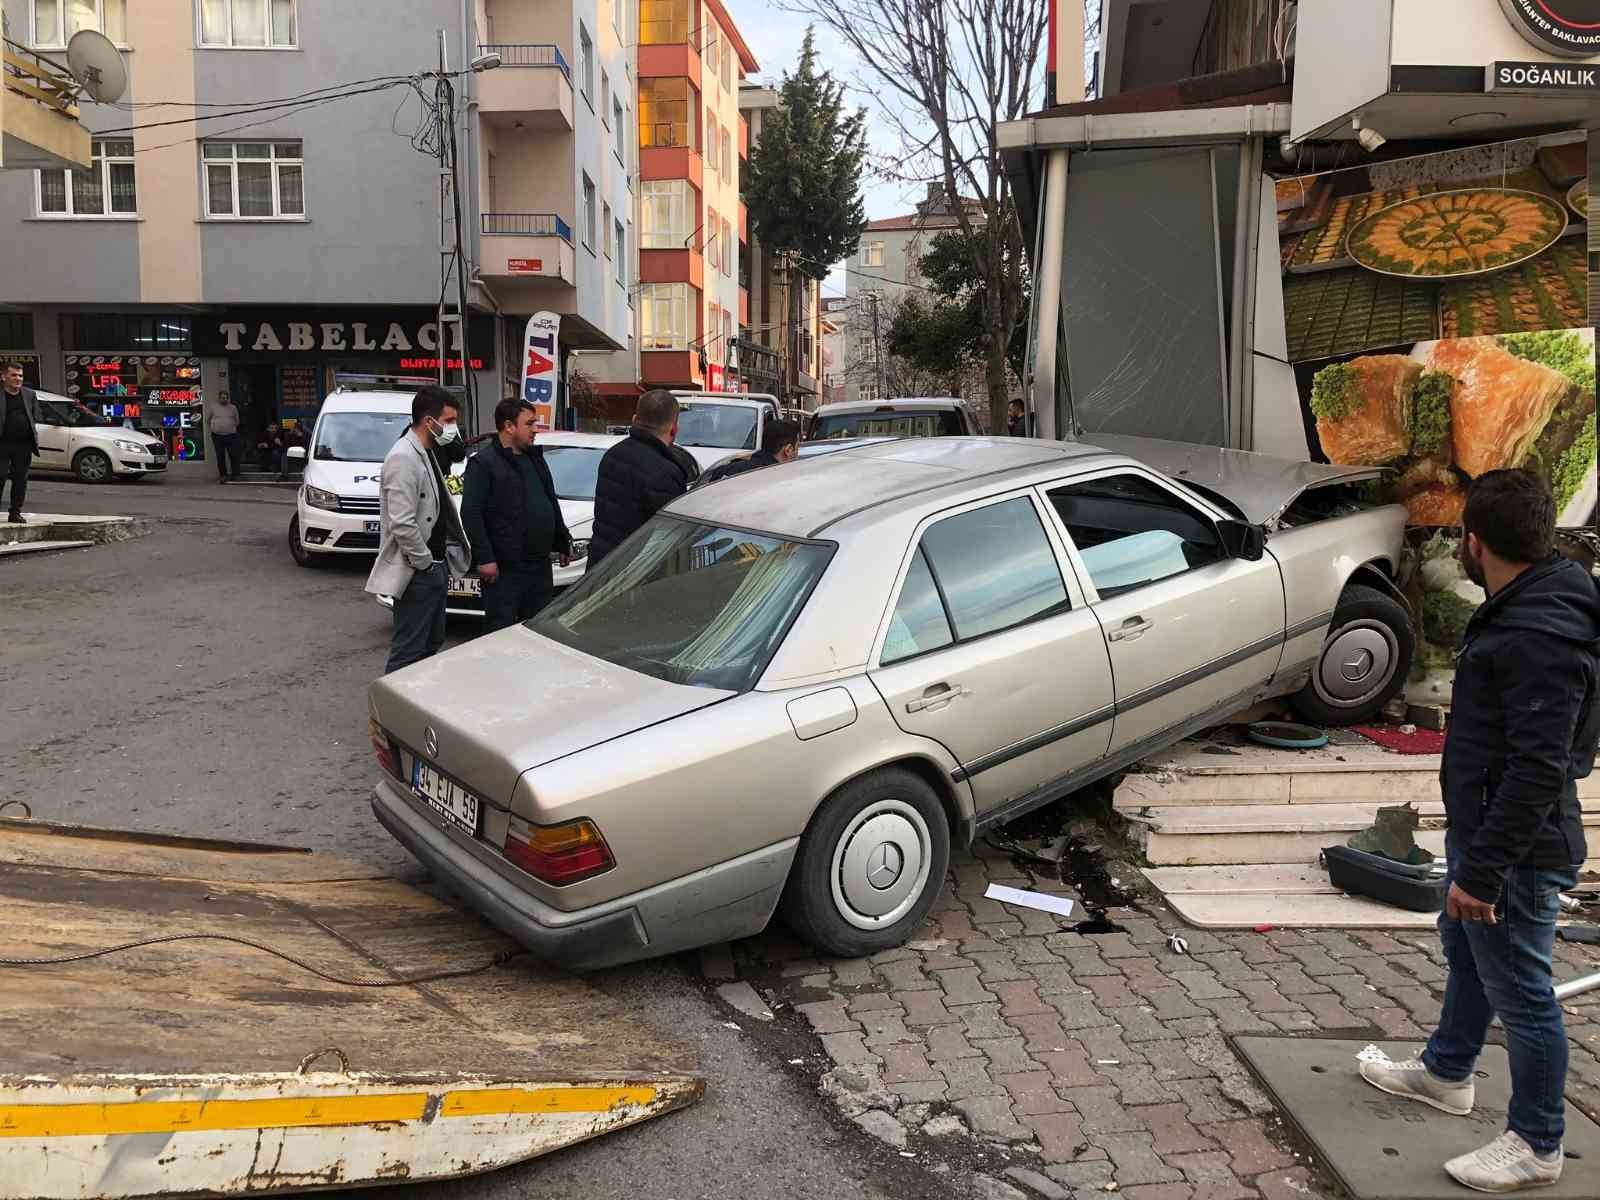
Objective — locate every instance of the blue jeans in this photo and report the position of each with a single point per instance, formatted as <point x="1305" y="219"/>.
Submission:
<point x="1504" y="970"/>
<point x="419" y="618"/>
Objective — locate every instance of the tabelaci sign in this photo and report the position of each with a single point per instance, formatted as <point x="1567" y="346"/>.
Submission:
<point x="1570" y="28"/>
<point x="539" y="359"/>
<point x="1543" y="77"/>
<point x="391" y="334"/>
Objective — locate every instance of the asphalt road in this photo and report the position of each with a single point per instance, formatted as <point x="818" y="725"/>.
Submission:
<point x="196" y="681"/>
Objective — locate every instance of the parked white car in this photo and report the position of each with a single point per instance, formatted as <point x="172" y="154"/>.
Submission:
<point x="906" y="416"/>
<point x="74" y="437"/>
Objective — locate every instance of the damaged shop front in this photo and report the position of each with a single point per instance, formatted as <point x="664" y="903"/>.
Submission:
<point x="1361" y="237"/>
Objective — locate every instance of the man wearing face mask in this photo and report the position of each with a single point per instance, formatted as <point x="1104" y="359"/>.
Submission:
<point x="1523" y="726"/>
<point x="422" y="541"/>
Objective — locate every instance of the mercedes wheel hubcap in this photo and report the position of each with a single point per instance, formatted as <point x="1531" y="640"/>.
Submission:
<point x="881" y="864"/>
<point x="1357" y="663"/>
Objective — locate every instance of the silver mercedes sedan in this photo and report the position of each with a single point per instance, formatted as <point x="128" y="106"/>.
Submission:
<point x="796" y="689"/>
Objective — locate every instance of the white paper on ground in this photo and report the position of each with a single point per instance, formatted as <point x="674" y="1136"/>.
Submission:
<point x="1059" y="905"/>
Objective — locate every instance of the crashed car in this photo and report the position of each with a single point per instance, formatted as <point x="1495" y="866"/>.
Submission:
<point x="797" y="689"/>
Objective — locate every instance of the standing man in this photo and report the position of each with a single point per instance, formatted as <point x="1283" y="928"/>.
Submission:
<point x="1523" y="727"/>
<point x="639" y="476"/>
<point x="780" y="443"/>
<point x="19" y="439"/>
<point x="1017" y="419"/>
<point x="513" y="519"/>
<point x="223" y="420"/>
<point x="421" y="540"/>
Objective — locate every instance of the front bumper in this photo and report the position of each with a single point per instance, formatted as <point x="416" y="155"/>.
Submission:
<point x="718" y="904"/>
<point x="324" y="531"/>
<point x="127" y="464"/>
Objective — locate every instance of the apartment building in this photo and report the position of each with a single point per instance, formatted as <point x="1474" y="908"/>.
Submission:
<point x="275" y="253"/>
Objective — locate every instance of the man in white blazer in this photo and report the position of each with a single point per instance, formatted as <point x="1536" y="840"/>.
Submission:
<point x="422" y="540"/>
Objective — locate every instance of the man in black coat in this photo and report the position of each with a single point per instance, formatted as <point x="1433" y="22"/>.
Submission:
<point x="513" y="519"/>
<point x="780" y="443"/>
<point x="19" y="440"/>
<point x="640" y="475"/>
<point x="1523" y="728"/>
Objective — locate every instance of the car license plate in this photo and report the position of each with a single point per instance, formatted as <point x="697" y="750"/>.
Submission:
<point x="373" y="527"/>
<point x="448" y="798"/>
<point x="466" y="587"/>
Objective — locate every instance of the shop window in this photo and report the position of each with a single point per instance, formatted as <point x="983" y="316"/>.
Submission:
<point x="665" y="317"/>
<point x="113" y="331"/>
<point x="106" y="189"/>
<point x="249" y="24"/>
<point x="55" y="21"/>
<point x="588" y="212"/>
<point x="665" y="113"/>
<point x="663" y="22"/>
<point x="664" y="211"/>
<point x="254" y="181"/>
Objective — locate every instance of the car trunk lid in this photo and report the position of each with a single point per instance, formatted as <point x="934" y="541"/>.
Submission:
<point x="504" y="704"/>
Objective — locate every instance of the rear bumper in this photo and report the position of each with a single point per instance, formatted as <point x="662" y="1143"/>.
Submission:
<point x="730" y="900"/>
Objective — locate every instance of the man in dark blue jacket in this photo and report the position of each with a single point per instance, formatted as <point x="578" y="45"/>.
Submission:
<point x="1523" y="728"/>
<point x="513" y="519"/>
<point x="640" y="475"/>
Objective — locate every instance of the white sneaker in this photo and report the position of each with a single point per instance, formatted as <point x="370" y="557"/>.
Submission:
<point x="1507" y="1164"/>
<point x="1413" y="1081"/>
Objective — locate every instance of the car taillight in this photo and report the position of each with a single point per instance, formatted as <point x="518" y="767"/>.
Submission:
<point x="383" y="748"/>
<point x="558" y="854"/>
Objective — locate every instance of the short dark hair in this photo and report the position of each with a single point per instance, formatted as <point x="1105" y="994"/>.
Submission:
<point x="1513" y="513"/>
<point x="430" y="401"/>
<point x="778" y="435"/>
<point x="507" y="412"/>
<point x="1015" y="403"/>
<point x="657" y="410"/>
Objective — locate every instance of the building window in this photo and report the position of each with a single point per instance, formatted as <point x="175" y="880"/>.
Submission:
<point x="106" y="189"/>
<point x="711" y="141"/>
<point x="585" y="64"/>
<point x="727" y="155"/>
<point x="727" y="65"/>
<point x="253" y="24"/>
<point x="872" y="254"/>
<point x="622" y="255"/>
<point x="618" y="128"/>
<point x="605" y="226"/>
<point x="727" y="249"/>
<point x="867" y="391"/>
<point x="664" y="321"/>
<point x="605" y="96"/>
<point x="665" y="115"/>
<point x="711" y="49"/>
<point x="55" y="21"/>
<point x="248" y="181"/>
<point x="663" y="22"/>
<point x="727" y="339"/>
<point x="664" y="213"/>
<point x="709" y="241"/>
<point x="588" y="211"/>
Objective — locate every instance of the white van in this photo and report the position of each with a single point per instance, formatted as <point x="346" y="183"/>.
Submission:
<point x="337" y="508"/>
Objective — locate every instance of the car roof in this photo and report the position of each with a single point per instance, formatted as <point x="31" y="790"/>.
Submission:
<point x="822" y="490"/>
<point x="855" y="406"/>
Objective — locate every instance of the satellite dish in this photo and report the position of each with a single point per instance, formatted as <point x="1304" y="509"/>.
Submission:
<point x="97" y="66"/>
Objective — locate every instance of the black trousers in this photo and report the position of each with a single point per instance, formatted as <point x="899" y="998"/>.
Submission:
<point x="226" y="446"/>
<point x="14" y="460"/>
<point x="520" y="592"/>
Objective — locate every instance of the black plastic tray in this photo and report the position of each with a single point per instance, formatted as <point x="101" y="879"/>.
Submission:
<point x="1363" y="874"/>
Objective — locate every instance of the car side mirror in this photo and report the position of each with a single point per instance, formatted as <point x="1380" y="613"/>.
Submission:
<point x="1240" y="539"/>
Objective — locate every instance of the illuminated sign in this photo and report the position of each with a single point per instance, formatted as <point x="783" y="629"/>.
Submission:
<point x="432" y="364"/>
<point x="1570" y="28"/>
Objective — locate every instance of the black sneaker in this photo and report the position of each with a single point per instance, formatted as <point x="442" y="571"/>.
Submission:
<point x="16" y="518"/>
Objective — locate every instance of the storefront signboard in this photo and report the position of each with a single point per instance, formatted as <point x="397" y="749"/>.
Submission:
<point x="539" y="358"/>
<point x="1541" y="77"/>
<point x="1570" y="28"/>
<point x="525" y="266"/>
<point x="391" y="336"/>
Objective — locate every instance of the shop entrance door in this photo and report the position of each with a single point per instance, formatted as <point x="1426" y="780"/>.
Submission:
<point x="255" y="392"/>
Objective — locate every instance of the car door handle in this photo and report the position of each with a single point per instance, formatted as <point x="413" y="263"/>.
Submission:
<point x="1132" y="630"/>
<point x="936" y="696"/>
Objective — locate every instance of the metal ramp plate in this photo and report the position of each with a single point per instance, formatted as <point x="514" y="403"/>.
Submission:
<point x="1384" y="1148"/>
<point x="180" y="1068"/>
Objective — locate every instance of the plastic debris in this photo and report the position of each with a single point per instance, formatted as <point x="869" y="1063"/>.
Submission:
<point x="1177" y="943"/>
<point x="1059" y="905"/>
<point x="1265" y="928"/>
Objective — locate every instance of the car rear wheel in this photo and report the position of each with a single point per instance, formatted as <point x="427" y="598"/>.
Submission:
<point x="298" y="548"/>
<point x="870" y="865"/>
<point x="91" y="466"/>
<point x="1364" y="661"/>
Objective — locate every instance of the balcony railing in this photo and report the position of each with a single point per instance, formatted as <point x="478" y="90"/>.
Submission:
<point x="526" y="225"/>
<point x="528" y="54"/>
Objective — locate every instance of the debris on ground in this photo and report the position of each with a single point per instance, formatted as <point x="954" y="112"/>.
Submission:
<point x="1059" y="905"/>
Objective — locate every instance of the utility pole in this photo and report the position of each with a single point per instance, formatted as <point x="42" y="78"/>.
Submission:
<point x="452" y="312"/>
<point x="877" y="347"/>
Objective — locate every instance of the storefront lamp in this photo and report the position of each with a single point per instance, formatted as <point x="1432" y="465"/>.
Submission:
<point x="1371" y="140"/>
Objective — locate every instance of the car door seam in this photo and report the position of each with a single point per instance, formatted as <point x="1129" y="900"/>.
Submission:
<point x="1176" y="682"/>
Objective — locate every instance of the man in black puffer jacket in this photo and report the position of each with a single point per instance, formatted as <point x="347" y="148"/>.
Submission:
<point x="640" y="475"/>
<point x="780" y="443"/>
<point x="1523" y="727"/>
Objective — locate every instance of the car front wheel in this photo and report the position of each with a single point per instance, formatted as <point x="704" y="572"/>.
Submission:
<point x="870" y="865"/>
<point x="1364" y="661"/>
<point x="91" y="466"/>
<point x="297" y="547"/>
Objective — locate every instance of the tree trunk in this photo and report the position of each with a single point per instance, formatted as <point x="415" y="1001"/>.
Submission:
<point x="995" y="370"/>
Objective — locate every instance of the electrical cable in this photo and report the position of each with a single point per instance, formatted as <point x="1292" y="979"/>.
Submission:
<point x="498" y="960"/>
<point x="246" y="111"/>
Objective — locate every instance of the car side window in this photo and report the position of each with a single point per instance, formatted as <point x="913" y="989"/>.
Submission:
<point x="49" y="414"/>
<point x="994" y="568"/>
<point x="919" y="623"/>
<point x="1130" y="532"/>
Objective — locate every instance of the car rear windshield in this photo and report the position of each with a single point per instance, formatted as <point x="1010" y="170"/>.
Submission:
<point x="575" y="469"/>
<point x="719" y="426"/>
<point x="942" y="422"/>
<point x="689" y="603"/>
<point x="363" y="437"/>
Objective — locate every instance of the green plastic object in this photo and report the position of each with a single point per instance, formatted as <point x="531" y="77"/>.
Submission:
<point x="1286" y="735"/>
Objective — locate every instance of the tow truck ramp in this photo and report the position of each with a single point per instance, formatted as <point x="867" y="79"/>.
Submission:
<point x="306" y="1023"/>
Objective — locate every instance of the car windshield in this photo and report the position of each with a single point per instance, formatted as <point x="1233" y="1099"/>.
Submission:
<point x="575" y="469"/>
<point x="363" y="437"/>
<point x="689" y="603"/>
<point x="944" y="422"/>
<point x="79" y="416"/>
<point x="719" y="426"/>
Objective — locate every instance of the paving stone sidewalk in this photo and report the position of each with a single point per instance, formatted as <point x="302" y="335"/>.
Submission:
<point x="1085" y="1064"/>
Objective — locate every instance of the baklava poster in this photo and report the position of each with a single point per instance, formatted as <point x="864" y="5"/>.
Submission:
<point x="1437" y="318"/>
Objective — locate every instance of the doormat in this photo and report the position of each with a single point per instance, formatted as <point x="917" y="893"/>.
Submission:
<point x="1419" y="741"/>
<point x="1381" y="1147"/>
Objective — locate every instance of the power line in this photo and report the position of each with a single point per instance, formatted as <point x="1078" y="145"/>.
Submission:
<point x="134" y="105"/>
<point x="251" y="110"/>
